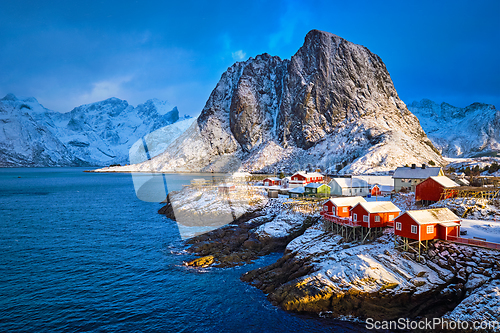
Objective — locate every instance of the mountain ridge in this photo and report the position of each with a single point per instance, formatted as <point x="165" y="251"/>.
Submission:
<point x="95" y="134"/>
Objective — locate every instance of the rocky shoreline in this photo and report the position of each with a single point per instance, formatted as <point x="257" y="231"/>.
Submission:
<point x="320" y="273"/>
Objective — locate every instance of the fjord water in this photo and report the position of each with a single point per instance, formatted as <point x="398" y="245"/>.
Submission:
<point x="80" y="253"/>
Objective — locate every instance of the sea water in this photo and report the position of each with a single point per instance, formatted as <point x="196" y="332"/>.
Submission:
<point x="80" y="253"/>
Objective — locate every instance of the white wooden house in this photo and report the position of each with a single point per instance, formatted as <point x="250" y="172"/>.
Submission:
<point x="349" y="187"/>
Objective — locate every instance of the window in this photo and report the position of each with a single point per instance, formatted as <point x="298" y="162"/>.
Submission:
<point x="365" y="218"/>
<point x="414" y="229"/>
<point x="398" y="225"/>
<point x="344" y="209"/>
<point x="430" y="229"/>
<point x="391" y="217"/>
<point x="325" y="208"/>
<point x="377" y="218"/>
<point x="354" y="217"/>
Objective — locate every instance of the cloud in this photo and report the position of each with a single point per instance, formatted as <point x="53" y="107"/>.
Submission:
<point x="295" y="15"/>
<point x="239" y="55"/>
<point x="103" y="90"/>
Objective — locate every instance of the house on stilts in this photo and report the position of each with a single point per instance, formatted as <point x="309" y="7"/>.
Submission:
<point x="356" y="219"/>
<point x="415" y="228"/>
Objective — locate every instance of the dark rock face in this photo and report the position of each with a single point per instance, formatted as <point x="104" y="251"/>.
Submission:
<point x="330" y="79"/>
<point x="299" y="101"/>
<point x="238" y="244"/>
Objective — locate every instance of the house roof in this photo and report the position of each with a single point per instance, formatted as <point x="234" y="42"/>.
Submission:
<point x="445" y="181"/>
<point x="346" y="182"/>
<point x="380" y="180"/>
<point x="316" y="185"/>
<point x="379" y="207"/>
<point x="417" y="173"/>
<point x="274" y="179"/>
<point x="300" y="189"/>
<point x="347" y="201"/>
<point x="435" y="215"/>
<point x="308" y="174"/>
<point x="449" y="224"/>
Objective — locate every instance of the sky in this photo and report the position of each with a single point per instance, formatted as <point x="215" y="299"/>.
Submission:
<point x="69" y="53"/>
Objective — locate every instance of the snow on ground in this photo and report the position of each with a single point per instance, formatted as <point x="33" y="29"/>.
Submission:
<point x="283" y="221"/>
<point x="489" y="230"/>
<point x="480" y="209"/>
<point x="201" y="209"/>
<point x="462" y="163"/>
<point x="405" y="201"/>
<point x="482" y="305"/>
<point x="368" y="268"/>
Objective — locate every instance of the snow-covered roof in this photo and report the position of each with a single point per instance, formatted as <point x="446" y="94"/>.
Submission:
<point x="417" y="173"/>
<point x="347" y="201"/>
<point x="308" y="174"/>
<point x="435" y="215"/>
<point x="315" y="185"/>
<point x="449" y="224"/>
<point x="379" y="207"/>
<point x="300" y="189"/>
<point x="380" y="180"/>
<point x="274" y="179"/>
<point x="445" y="181"/>
<point x="348" y="182"/>
<point x="463" y="181"/>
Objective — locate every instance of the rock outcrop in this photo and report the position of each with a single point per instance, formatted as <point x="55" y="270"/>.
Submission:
<point x="322" y="274"/>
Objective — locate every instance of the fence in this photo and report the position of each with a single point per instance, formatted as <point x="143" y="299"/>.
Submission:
<point x="475" y="242"/>
<point x="339" y="220"/>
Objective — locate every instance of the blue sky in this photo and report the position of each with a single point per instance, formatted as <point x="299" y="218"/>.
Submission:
<point x="68" y="53"/>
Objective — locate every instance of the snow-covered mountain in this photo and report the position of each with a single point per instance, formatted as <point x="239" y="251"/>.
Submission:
<point x="97" y="134"/>
<point x="460" y="132"/>
<point x="332" y="105"/>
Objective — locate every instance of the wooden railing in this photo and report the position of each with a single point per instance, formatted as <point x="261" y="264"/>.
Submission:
<point x="339" y="220"/>
<point x="475" y="242"/>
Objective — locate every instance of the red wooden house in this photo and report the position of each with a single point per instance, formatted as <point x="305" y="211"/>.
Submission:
<point x="341" y="206"/>
<point x="302" y="178"/>
<point x="427" y="224"/>
<point x="430" y="190"/>
<point x="374" y="214"/>
<point x="272" y="181"/>
<point x="375" y="191"/>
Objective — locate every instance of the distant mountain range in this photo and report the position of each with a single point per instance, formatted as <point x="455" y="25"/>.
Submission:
<point x="332" y="106"/>
<point x="97" y="134"/>
<point x="472" y="131"/>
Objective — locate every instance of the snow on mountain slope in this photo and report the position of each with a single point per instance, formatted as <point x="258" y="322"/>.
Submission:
<point x="94" y="134"/>
<point x="26" y="142"/>
<point x="460" y="132"/>
<point x="332" y="105"/>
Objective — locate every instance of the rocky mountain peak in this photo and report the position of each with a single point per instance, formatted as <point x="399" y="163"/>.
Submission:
<point x="332" y="104"/>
